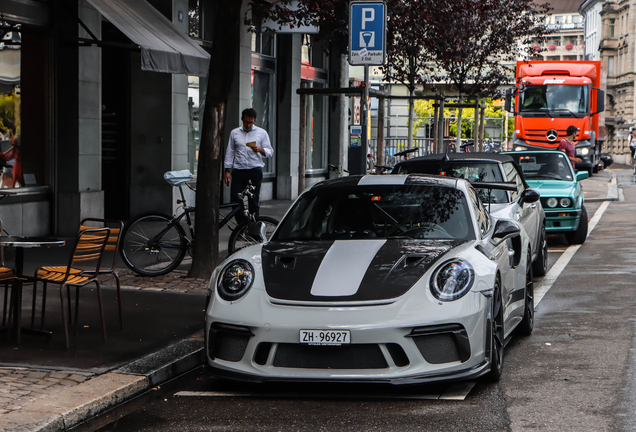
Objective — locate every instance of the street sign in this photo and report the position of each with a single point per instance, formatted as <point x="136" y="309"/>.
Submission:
<point x="355" y="133"/>
<point x="367" y="33"/>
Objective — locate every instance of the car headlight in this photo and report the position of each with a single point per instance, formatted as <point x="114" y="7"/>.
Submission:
<point x="236" y="279"/>
<point x="452" y="280"/>
<point x="583" y="151"/>
<point x="552" y="202"/>
<point x="519" y="148"/>
<point x="565" y="202"/>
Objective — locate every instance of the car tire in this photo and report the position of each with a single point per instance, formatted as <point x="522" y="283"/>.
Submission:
<point x="540" y="265"/>
<point x="527" y="323"/>
<point x="496" y="334"/>
<point x="579" y="236"/>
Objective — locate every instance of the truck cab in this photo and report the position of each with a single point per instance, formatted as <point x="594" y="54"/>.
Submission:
<point x="549" y="97"/>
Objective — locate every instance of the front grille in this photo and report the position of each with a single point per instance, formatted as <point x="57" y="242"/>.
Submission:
<point x="355" y="356"/>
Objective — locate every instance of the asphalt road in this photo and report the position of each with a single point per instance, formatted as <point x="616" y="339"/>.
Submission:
<point x="577" y="372"/>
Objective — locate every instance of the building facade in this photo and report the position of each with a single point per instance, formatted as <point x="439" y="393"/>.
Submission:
<point x="97" y="128"/>
<point x="617" y="54"/>
<point x="566" y="42"/>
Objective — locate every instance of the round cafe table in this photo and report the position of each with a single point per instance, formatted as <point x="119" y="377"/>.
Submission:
<point x="20" y="243"/>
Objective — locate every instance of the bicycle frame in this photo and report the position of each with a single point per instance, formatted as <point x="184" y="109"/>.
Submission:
<point x="236" y="208"/>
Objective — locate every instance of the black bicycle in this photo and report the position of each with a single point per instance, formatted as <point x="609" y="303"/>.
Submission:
<point x="154" y="244"/>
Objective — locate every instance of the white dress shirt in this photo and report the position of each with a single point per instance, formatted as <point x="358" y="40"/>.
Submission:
<point x="240" y="156"/>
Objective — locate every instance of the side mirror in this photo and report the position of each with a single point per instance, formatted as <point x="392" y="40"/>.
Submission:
<point x="529" y="196"/>
<point x="257" y="231"/>
<point x="508" y="101"/>
<point x="600" y="101"/>
<point x="582" y="175"/>
<point x="505" y="229"/>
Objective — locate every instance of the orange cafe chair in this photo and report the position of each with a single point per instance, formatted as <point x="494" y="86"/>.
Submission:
<point x="83" y="268"/>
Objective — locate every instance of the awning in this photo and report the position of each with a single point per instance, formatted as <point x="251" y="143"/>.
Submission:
<point x="164" y="48"/>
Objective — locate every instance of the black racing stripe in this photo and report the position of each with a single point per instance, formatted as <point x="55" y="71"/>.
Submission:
<point x="289" y="268"/>
<point x="398" y="265"/>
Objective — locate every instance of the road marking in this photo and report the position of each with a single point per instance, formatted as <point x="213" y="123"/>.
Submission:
<point x="458" y="392"/>
<point x="562" y="262"/>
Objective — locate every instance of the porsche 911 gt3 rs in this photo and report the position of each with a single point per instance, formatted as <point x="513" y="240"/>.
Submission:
<point x="401" y="279"/>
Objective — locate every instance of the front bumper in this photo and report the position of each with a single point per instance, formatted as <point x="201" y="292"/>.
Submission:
<point x="392" y="343"/>
<point x="557" y="222"/>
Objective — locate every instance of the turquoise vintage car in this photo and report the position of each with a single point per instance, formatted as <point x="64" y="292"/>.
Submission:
<point x="562" y="196"/>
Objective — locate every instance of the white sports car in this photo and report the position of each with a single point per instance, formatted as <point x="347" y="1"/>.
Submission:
<point x="401" y="279"/>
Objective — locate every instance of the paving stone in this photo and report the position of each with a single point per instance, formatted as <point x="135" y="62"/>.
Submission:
<point x="78" y="378"/>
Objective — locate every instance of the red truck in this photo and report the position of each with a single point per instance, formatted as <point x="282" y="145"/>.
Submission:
<point x="552" y="95"/>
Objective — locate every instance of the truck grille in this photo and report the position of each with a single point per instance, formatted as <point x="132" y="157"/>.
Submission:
<point x="537" y="137"/>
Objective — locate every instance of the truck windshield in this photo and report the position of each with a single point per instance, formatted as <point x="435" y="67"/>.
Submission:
<point x="563" y="99"/>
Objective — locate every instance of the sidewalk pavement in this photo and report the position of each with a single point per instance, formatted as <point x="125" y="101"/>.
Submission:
<point x="44" y="387"/>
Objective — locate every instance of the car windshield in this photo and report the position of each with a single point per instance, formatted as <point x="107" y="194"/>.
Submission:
<point x="561" y="99"/>
<point x="545" y="166"/>
<point x="377" y="212"/>
<point x="471" y="171"/>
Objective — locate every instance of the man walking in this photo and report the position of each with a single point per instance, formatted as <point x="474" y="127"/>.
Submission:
<point x="247" y="147"/>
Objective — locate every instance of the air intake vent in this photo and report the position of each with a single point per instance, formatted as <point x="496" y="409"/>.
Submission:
<point x="226" y="342"/>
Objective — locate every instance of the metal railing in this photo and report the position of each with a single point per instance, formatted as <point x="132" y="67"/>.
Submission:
<point x="396" y="145"/>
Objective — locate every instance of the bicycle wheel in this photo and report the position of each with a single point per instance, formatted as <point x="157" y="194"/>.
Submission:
<point x="239" y="238"/>
<point x="150" y="256"/>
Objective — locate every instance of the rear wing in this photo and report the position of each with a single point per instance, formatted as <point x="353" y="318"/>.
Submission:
<point x="507" y="186"/>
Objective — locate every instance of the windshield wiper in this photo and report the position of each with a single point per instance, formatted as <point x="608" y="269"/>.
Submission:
<point x="564" y="109"/>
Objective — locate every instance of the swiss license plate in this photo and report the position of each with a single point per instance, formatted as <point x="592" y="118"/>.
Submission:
<point x="325" y="337"/>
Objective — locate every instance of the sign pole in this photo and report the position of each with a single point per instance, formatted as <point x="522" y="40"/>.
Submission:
<point x="364" y="122"/>
<point x="367" y="46"/>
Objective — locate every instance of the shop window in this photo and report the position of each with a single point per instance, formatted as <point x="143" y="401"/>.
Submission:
<point x="316" y="133"/>
<point x="196" y="97"/>
<point x="23" y="99"/>
<point x="264" y="85"/>
<point x="263" y="100"/>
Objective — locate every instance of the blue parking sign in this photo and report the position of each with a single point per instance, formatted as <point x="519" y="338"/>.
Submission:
<point x="367" y="33"/>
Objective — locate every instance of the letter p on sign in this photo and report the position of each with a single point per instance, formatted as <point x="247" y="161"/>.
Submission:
<point x="368" y="15"/>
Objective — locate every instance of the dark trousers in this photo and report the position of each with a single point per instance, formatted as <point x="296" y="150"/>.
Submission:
<point x="240" y="179"/>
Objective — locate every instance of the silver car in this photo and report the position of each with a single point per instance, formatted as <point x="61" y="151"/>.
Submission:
<point x="396" y="279"/>
<point x="521" y="204"/>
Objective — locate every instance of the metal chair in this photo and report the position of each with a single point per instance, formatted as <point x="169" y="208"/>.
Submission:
<point x="87" y="252"/>
<point x="7" y="276"/>
<point x="113" y="245"/>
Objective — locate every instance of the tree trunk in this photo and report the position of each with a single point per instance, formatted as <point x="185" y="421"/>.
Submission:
<point x="482" y="124"/>
<point x="411" y="117"/>
<point x="302" y="141"/>
<point x="210" y="168"/>
<point x="434" y="144"/>
<point x="476" y="127"/>
<point x="459" y="127"/>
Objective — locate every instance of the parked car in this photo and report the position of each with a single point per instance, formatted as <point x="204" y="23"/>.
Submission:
<point x="388" y="279"/>
<point x="521" y="204"/>
<point x="562" y="196"/>
<point x="606" y="160"/>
